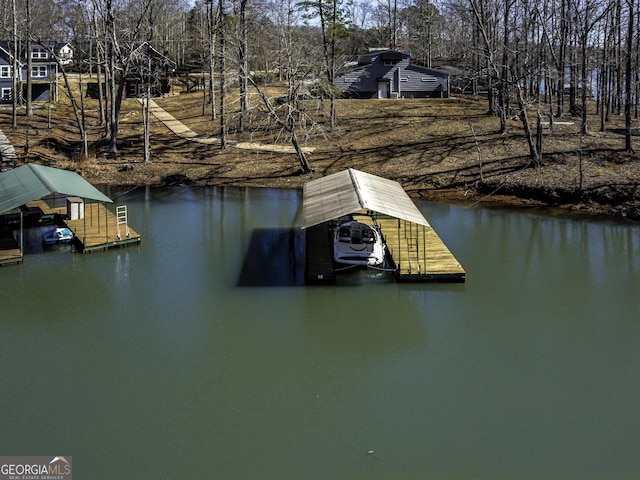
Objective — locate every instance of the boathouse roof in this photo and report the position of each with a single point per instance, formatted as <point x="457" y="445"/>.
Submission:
<point x="32" y="182"/>
<point x="351" y="191"/>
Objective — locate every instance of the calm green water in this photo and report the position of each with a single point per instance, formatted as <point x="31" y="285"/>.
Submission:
<point x="187" y="357"/>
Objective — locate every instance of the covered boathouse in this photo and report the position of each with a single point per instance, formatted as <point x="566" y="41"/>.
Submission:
<point x="414" y="250"/>
<point x="36" y="196"/>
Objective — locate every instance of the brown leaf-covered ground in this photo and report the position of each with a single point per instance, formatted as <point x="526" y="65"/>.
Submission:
<point x="436" y="148"/>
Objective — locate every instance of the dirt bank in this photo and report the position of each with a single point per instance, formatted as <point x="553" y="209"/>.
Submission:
<point x="437" y="149"/>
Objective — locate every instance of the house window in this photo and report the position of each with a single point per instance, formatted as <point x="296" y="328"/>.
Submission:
<point x="39" y="53"/>
<point x="429" y="79"/>
<point x="6" y="94"/>
<point x="351" y="79"/>
<point x="5" y="71"/>
<point x="38" y="71"/>
<point x="390" y="63"/>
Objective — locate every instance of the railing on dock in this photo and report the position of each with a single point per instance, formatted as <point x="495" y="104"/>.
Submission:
<point x="121" y="219"/>
<point x="418" y="253"/>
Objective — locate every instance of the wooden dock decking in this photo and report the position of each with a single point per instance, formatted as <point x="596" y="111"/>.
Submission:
<point x="418" y="253"/>
<point x="9" y="253"/>
<point x="99" y="229"/>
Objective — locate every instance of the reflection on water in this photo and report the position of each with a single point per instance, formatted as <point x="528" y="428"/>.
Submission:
<point x="157" y="361"/>
<point x="275" y="257"/>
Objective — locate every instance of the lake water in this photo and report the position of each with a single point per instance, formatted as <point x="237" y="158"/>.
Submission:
<point x="200" y="354"/>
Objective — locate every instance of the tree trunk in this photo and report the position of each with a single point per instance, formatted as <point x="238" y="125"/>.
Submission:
<point x="223" y="99"/>
<point x="111" y="56"/>
<point x="16" y="75"/>
<point x="302" y="158"/>
<point x="243" y="64"/>
<point x="583" y="81"/>
<point x="101" y="107"/>
<point x="147" y="110"/>
<point x="524" y="117"/>
<point x="29" y="104"/>
<point x="628" y="84"/>
<point x="562" y="47"/>
<point x="211" y="30"/>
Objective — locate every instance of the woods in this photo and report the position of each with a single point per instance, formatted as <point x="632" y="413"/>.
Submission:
<point x="534" y="61"/>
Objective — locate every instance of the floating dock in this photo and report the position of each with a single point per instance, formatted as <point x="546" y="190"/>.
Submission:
<point x="414" y="252"/>
<point x="10" y="254"/>
<point x="418" y="254"/>
<point x="100" y="228"/>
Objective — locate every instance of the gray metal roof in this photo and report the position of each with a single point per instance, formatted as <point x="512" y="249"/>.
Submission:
<point x="32" y="182"/>
<point x="350" y="191"/>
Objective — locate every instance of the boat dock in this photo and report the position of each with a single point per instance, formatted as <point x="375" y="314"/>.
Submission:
<point x="23" y="189"/>
<point x="414" y="252"/>
<point x="10" y="254"/>
<point x="417" y="253"/>
<point x="100" y="228"/>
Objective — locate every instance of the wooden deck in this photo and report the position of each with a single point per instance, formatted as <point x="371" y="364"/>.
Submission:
<point x="417" y="252"/>
<point x="98" y="230"/>
<point x="10" y="254"/>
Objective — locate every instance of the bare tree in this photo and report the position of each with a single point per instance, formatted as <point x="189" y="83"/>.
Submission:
<point x="333" y="28"/>
<point x="29" y="93"/>
<point x="587" y="13"/>
<point x="15" y="68"/>
<point x="222" y="73"/>
<point x="629" y="75"/>
<point x="243" y="62"/>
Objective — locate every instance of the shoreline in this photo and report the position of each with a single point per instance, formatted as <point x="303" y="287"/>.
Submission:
<point x="623" y="210"/>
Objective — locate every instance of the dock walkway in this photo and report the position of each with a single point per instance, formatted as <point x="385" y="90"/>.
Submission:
<point x="99" y="229"/>
<point x="418" y="253"/>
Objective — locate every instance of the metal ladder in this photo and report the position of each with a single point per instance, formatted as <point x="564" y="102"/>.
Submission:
<point x="121" y="216"/>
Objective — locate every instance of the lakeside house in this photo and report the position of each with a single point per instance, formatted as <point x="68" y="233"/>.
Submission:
<point x="390" y="74"/>
<point x="46" y="57"/>
<point x="144" y="64"/>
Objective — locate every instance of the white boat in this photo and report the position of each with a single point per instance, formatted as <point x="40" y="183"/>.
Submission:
<point x="57" y="235"/>
<point x="357" y="243"/>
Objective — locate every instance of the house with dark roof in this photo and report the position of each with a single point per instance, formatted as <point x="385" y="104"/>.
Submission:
<point x="143" y="64"/>
<point x="390" y="74"/>
<point x="45" y="58"/>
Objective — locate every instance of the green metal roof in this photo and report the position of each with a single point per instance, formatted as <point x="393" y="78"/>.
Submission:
<point x="32" y="182"/>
